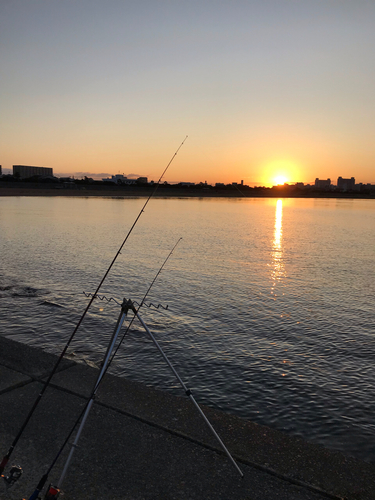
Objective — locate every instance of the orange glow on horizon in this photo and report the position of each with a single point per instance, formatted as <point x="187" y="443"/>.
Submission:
<point x="278" y="172"/>
<point x="280" y="179"/>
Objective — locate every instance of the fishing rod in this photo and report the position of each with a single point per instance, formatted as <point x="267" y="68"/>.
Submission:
<point x="54" y="491"/>
<point x="7" y="456"/>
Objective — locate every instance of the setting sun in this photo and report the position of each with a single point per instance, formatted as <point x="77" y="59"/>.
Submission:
<point x="280" y="179"/>
<point x="276" y="172"/>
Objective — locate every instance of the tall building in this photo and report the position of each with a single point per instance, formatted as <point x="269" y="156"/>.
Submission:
<point x="322" y="183"/>
<point x="24" y="171"/>
<point x="346" y="184"/>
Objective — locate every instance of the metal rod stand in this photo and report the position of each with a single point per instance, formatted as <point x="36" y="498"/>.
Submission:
<point x="126" y="305"/>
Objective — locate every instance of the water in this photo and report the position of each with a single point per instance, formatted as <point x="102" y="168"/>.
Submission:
<point x="271" y="313"/>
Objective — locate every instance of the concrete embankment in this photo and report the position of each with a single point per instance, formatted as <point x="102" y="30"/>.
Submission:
<point x="141" y="443"/>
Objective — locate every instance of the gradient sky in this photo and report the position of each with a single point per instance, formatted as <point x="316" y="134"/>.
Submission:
<point x="262" y="88"/>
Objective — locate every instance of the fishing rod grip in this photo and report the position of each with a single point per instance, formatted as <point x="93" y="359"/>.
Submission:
<point x="39" y="488"/>
<point x="35" y="495"/>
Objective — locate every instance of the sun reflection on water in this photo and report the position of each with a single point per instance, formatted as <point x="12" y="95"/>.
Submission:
<point x="278" y="268"/>
<point x="278" y="225"/>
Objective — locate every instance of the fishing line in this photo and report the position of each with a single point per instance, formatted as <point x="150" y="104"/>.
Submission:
<point x="44" y="478"/>
<point x="46" y="384"/>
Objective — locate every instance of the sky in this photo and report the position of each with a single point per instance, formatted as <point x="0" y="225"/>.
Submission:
<point x="263" y="89"/>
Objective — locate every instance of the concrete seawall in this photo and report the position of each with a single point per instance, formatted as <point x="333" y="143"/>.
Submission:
<point x="141" y="443"/>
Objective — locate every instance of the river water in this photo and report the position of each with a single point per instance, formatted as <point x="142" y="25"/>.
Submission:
<point x="270" y="302"/>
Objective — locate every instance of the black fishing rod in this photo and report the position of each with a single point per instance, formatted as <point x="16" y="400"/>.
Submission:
<point x="46" y="384"/>
<point x="54" y="491"/>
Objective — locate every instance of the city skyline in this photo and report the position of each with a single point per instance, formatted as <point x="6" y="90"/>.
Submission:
<point x="38" y="170"/>
<point x="277" y="89"/>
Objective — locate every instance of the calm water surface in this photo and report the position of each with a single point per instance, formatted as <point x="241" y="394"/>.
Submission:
<point x="271" y="310"/>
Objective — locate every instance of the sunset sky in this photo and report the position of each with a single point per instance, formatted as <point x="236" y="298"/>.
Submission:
<point x="262" y="88"/>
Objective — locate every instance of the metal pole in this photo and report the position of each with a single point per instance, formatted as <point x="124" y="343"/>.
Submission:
<point x="121" y="318"/>
<point x="188" y="392"/>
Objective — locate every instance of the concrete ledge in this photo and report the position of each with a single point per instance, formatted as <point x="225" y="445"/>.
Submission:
<point x="10" y="379"/>
<point x="28" y="360"/>
<point x="266" y="448"/>
<point x="143" y="432"/>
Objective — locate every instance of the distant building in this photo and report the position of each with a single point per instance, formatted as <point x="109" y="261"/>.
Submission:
<point x="24" y="171"/>
<point x="142" y="180"/>
<point x="346" y="184"/>
<point x="322" y="183"/>
<point x="116" y="179"/>
<point x="1" y="171"/>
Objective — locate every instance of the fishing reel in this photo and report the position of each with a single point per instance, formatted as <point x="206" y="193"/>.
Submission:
<point x="13" y="476"/>
<point x="52" y="493"/>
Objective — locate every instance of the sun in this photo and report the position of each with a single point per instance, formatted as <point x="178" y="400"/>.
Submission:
<point x="280" y="179"/>
<point x="277" y="172"/>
